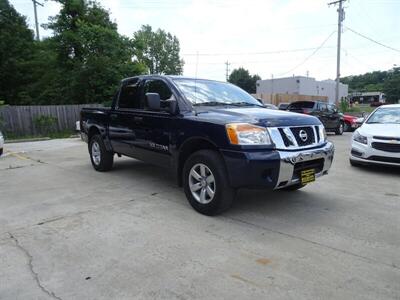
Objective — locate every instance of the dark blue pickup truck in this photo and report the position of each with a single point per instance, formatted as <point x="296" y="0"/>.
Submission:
<point x="212" y="135"/>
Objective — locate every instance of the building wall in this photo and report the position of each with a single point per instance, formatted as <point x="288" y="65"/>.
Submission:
<point x="301" y="85"/>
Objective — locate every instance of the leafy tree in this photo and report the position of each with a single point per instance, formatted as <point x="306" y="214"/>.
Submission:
<point x="242" y="78"/>
<point x="383" y="81"/>
<point x="158" y="50"/>
<point x="16" y="49"/>
<point x="391" y="86"/>
<point x="91" y="56"/>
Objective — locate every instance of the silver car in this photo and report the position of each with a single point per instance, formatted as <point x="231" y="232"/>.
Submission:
<point x="377" y="141"/>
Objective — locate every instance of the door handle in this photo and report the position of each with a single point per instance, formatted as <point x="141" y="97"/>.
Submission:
<point x="137" y="119"/>
<point x="113" y="116"/>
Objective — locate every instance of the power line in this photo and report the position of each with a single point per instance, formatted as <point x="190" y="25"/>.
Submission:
<point x="308" y="57"/>
<point x="254" y="53"/>
<point x="372" y="40"/>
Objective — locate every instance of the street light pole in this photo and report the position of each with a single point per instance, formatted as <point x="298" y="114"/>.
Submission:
<point x="36" y="19"/>
<point x="340" y="20"/>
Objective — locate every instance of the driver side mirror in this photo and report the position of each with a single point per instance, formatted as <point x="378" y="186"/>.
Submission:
<point x="153" y="101"/>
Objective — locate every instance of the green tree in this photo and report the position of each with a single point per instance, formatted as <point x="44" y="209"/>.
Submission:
<point x="91" y="56"/>
<point x="242" y="78"/>
<point x="391" y="86"/>
<point x="16" y="50"/>
<point x="158" y="50"/>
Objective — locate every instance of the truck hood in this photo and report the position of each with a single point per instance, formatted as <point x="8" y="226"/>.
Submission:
<point x="255" y="115"/>
<point x="387" y="130"/>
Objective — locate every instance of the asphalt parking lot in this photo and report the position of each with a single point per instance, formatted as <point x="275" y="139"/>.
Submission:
<point x="68" y="232"/>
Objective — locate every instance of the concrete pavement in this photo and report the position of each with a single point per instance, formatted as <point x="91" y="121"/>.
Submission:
<point x="68" y="232"/>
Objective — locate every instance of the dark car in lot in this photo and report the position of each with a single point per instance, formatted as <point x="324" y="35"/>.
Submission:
<point x="327" y="113"/>
<point x="213" y="136"/>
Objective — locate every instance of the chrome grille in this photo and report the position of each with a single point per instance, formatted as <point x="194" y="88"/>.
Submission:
<point x="304" y="135"/>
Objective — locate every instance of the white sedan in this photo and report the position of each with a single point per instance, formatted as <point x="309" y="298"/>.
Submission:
<point x="1" y="143"/>
<point x="377" y="141"/>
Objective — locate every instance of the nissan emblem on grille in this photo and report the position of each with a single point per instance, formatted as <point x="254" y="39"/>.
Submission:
<point x="303" y="135"/>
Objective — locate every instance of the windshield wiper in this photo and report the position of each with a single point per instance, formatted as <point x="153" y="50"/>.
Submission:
<point x="243" y="103"/>
<point x="210" y="103"/>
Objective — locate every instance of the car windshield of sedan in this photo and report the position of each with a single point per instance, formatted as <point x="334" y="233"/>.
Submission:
<point x="214" y="93"/>
<point x="385" y="116"/>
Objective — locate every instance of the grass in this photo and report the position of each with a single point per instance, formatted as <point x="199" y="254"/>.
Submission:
<point x="51" y="135"/>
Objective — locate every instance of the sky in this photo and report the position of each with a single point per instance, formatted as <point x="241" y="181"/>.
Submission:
<point x="271" y="38"/>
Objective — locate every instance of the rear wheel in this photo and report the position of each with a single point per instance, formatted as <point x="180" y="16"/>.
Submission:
<point x="339" y="130"/>
<point x="205" y="182"/>
<point x="102" y="160"/>
<point x="347" y="127"/>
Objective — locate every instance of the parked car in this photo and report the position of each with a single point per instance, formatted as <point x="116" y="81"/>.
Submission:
<point x="283" y="106"/>
<point x="327" y="113"/>
<point x="1" y="143"/>
<point x="377" y="141"/>
<point x="351" y="123"/>
<point x="270" y="106"/>
<point x="213" y="136"/>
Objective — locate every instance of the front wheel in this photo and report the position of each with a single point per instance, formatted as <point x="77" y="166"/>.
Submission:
<point x="102" y="160"/>
<point x="205" y="182"/>
<point x="339" y="130"/>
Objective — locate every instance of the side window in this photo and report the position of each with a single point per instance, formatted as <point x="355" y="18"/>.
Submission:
<point x="158" y="86"/>
<point x="129" y="95"/>
<point x="323" y="107"/>
<point x="331" y="108"/>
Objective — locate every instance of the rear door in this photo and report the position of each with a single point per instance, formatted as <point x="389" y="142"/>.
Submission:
<point x="122" y="118"/>
<point x="323" y="114"/>
<point x="333" y="116"/>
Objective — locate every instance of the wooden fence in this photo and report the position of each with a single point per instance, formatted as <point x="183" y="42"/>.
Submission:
<point x="22" y="120"/>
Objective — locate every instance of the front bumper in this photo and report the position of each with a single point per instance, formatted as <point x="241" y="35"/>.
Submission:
<point x="275" y="169"/>
<point x="365" y="154"/>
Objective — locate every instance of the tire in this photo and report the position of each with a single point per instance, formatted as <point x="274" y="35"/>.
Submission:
<point x="346" y="127"/>
<point x="1" y="151"/>
<point x="294" y="187"/>
<point x="102" y="160"/>
<point x="340" y="129"/>
<point x="205" y="182"/>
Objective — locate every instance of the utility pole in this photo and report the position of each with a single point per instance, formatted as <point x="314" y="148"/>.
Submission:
<point x="227" y="70"/>
<point x="340" y="20"/>
<point x="36" y="19"/>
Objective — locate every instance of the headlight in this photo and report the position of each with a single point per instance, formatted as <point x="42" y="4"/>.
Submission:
<point x="247" y="134"/>
<point x="360" y="138"/>
<point x="322" y="133"/>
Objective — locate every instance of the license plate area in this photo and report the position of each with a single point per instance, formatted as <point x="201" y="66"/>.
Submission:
<point x="307" y="176"/>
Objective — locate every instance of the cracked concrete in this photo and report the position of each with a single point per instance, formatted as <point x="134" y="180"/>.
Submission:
<point x="130" y="234"/>
<point x="31" y="269"/>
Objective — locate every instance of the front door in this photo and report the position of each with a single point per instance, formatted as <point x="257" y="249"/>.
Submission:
<point x="153" y="128"/>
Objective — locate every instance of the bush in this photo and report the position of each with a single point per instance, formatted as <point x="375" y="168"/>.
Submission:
<point x="344" y="105"/>
<point x="45" y="124"/>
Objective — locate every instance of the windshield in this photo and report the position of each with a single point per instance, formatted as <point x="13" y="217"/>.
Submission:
<point x="207" y="92"/>
<point x="385" y="116"/>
